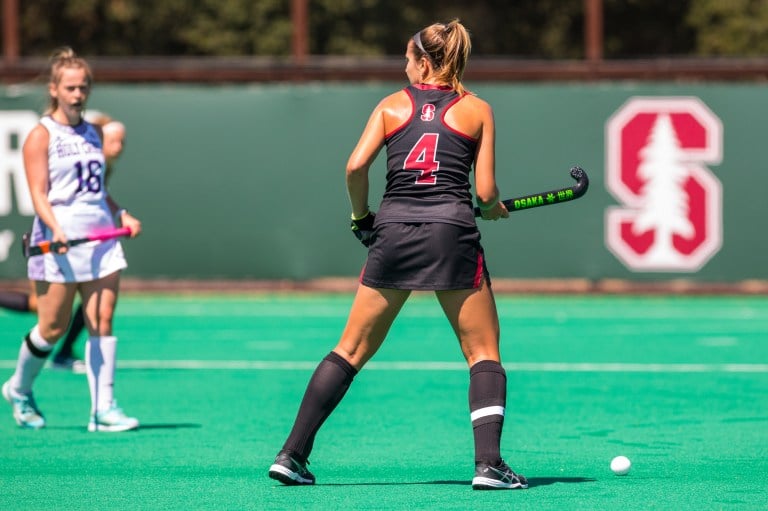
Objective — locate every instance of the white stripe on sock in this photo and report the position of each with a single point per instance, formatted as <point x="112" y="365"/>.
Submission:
<point x="485" y="412"/>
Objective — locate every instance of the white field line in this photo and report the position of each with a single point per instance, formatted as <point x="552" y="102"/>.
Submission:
<point x="543" y="367"/>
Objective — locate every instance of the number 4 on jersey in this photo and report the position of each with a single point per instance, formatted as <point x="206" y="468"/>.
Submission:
<point x="422" y="158"/>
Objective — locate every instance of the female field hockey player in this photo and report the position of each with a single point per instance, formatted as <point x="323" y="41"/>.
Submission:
<point x="424" y="237"/>
<point x="113" y="142"/>
<point x="65" y="168"/>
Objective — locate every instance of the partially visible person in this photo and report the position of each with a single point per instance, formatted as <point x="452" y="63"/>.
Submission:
<point x="114" y="140"/>
<point x="19" y="301"/>
<point x="65" y="357"/>
<point x="424" y="237"/>
<point x="113" y="133"/>
<point x="66" y="168"/>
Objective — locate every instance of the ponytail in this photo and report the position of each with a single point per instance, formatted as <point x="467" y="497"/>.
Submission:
<point x="447" y="46"/>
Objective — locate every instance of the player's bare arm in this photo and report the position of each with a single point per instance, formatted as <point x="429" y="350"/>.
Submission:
<point x="368" y="146"/>
<point x="486" y="189"/>
<point x="35" y="153"/>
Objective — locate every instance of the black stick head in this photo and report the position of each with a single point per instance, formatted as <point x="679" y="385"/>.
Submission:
<point x="582" y="181"/>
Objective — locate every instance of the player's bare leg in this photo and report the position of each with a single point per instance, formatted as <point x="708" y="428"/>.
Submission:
<point x="370" y="318"/>
<point x="472" y="314"/>
<point x="99" y="301"/>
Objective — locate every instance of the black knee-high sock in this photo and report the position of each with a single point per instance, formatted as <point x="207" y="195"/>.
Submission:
<point x="15" y="301"/>
<point x="75" y="327"/>
<point x="487" y="404"/>
<point x="327" y="386"/>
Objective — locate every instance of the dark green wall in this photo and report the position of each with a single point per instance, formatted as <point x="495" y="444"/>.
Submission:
<point x="248" y="181"/>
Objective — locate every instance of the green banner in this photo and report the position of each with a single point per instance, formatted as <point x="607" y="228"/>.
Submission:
<point x="248" y="181"/>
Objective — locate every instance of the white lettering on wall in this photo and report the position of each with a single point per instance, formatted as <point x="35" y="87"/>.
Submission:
<point x="15" y="125"/>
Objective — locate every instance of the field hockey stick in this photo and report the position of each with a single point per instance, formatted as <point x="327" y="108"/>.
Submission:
<point x="551" y="197"/>
<point x="103" y="235"/>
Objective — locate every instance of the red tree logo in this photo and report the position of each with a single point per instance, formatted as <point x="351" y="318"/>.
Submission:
<point x="670" y="212"/>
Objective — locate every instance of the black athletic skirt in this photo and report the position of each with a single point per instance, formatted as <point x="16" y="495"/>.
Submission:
<point x="426" y="256"/>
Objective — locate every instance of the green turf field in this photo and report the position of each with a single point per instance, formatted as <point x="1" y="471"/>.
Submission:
<point x="677" y="384"/>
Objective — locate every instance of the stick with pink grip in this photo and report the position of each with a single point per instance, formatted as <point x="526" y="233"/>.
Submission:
<point x="48" y="246"/>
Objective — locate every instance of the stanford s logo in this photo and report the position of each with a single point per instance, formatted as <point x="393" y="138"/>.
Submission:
<point x="670" y="212"/>
<point x="428" y="112"/>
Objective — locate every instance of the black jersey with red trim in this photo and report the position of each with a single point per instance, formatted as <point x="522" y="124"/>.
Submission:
<point x="428" y="164"/>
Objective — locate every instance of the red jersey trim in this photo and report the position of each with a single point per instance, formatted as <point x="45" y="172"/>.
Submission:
<point x="442" y="119"/>
<point x="362" y="272"/>
<point x="430" y="86"/>
<point x="479" y="273"/>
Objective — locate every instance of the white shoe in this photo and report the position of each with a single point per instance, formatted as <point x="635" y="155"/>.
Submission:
<point x="112" y="420"/>
<point x="25" y="410"/>
<point x="73" y="364"/>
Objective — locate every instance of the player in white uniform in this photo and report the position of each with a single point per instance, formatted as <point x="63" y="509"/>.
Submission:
<point x="78" y="199"/>
<point x="64" y="164"/>
<point x="113" y="141"/>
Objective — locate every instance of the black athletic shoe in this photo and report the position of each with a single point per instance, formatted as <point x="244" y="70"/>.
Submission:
<point x="499" y="477"/>
<point x="288" y="470"/>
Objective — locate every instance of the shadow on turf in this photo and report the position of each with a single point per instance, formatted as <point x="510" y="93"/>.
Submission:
<point x="532" y="482"/>
<point x="545" y="481"/>
<point x="187" y="425"/>
<point x="182" y="425"/>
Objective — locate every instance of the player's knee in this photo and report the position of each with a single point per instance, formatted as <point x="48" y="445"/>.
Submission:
<point x="104" y="326"/>
<point x="103" y="322"/>
<point x="476" y="350"/>
<point x="52" y="332"/>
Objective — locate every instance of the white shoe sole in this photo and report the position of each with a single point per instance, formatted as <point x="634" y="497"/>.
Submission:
<point x="286" y="475"/>
<point x="486" y="483"/>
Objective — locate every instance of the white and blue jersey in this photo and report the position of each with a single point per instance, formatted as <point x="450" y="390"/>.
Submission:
<point x="78" y="197"/>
